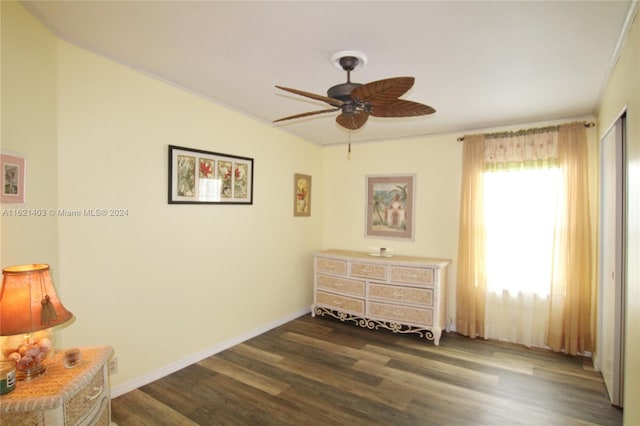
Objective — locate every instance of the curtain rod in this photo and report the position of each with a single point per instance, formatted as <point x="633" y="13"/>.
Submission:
<point x="586" y="124"/>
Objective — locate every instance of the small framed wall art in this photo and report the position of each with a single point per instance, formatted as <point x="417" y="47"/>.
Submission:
<point x="390" y="206"/>
<point x="14" y="175"/>
<point x="203" y="177"/>
<point x="301" y="195"/>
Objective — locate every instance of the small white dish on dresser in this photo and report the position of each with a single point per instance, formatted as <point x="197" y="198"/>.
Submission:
<point x="380" y="255"/>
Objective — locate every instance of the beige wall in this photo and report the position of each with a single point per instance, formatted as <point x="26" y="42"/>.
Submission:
<point x="29" y="129"/>
<point x="436" y="164"/>
<point x="166" y="281"/>
<point x="623" y="91"/>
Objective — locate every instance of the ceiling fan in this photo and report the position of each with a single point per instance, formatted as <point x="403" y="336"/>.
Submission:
<point x="358" y="101"/>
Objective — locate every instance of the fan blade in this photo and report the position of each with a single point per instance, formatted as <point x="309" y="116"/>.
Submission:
<point x="382" y="91"/>
<point x="330" y="101"/>
<point x="352" y="121"/>
<point x="306" y="114"/>
<point x="401" y="108"/>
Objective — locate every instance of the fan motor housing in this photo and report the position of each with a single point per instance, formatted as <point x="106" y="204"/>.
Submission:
<point x="342" y="91"/>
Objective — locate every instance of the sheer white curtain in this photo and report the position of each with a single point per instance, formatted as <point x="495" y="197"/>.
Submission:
<point x="520" y="208"/>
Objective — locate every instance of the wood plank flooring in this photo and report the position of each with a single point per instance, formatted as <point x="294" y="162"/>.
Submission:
<point x="318" y="371"/>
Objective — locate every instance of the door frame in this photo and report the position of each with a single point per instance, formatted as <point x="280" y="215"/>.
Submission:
<point x="616" y="392"/>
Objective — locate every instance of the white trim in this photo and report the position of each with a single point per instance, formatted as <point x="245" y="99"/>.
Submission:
<point x="199" y="356"/>
<point x="617" y="51"/>
<point x="624" y="33"/>
<point x="622" y="112"/>
<point x="614" y="378"/>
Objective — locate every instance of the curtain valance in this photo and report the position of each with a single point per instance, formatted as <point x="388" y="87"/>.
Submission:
<point x="524" y="149"/>
<point x="527" y="151"/>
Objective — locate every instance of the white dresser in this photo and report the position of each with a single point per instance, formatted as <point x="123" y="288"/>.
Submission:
<point x="403" y="294"/>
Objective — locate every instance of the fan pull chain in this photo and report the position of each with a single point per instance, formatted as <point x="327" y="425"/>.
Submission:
<point x="349" y="144"/>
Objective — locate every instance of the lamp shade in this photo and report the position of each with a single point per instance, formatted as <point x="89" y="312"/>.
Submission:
<point x="28" y="301"/>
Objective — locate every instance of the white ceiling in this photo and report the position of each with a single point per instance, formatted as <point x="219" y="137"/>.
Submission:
<point x="480" y="64"/>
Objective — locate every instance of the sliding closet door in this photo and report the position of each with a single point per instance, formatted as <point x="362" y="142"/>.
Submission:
<point x="610" y="338"/>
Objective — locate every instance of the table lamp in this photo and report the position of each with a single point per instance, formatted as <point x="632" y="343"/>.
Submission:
<point x="28" y="304"/>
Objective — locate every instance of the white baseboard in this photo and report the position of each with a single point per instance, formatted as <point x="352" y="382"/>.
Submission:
<point x="199" y="356"/>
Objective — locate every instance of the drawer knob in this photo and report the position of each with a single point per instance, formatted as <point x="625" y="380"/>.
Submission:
<point x="98" y="392"/>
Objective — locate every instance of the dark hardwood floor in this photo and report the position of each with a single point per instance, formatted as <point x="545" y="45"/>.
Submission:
<point x="317" y="371"/>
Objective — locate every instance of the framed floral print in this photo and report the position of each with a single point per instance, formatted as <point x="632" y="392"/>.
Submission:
<point x="13" y="178"/>
<point x="390" y="206"/>
<point x="301" y="195"/>
<point x="203" y="177"/>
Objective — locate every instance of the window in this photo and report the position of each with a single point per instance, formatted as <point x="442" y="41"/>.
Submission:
<point x="520" y="209"/>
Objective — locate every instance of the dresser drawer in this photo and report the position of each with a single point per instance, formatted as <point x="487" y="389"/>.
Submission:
<point x="103" y="416"/>
<point x="401" y="314"/>
<point x="32" y="418"/>
<point x="403" y="274"/>
<point x="340" y="303"/>
<point x="85" y="402"/>
<point x="341" y="285"/>
<point x="368" y="270"/>
<point x="332" y="266"/>
<point x="395" y="293"/>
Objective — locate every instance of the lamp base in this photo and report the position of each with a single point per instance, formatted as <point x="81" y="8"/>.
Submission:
<point x="27" y="352"/>
<point x="34" y="372"/>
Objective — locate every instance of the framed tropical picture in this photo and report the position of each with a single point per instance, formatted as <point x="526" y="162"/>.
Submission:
<point x="203" y="177"/>
<point x="301" y="195"/>
<point x="390" y="206"/>
<point x="13" y="178"/>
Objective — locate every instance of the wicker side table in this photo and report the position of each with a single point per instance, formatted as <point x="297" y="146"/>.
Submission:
<point x="63" y="396"/>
